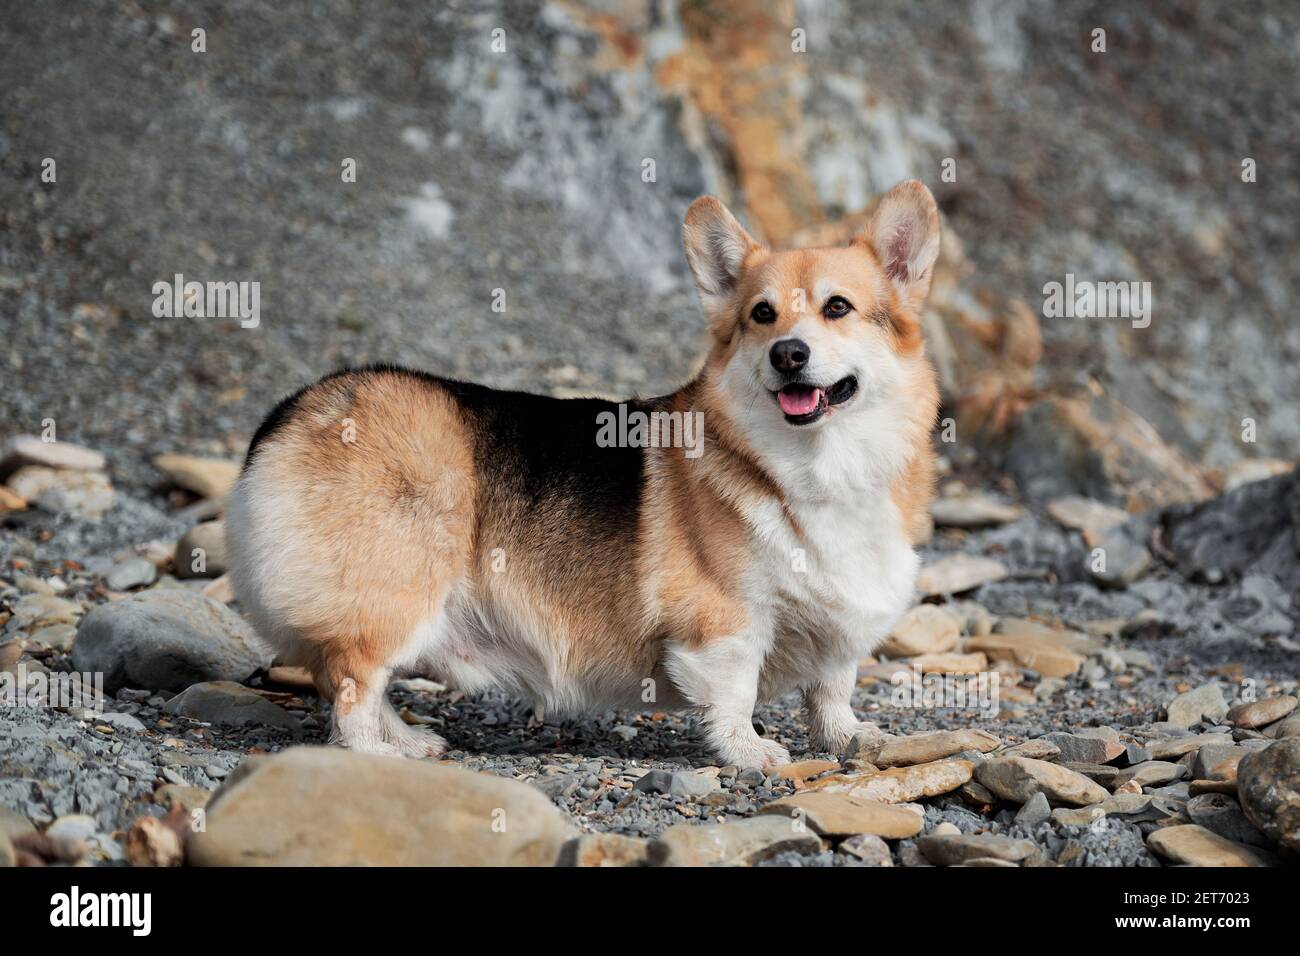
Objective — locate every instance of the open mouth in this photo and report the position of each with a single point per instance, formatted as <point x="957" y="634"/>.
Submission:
<point x="803" y="404"/>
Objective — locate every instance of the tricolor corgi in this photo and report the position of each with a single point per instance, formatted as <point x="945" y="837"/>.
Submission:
<point x="391" y="523"/>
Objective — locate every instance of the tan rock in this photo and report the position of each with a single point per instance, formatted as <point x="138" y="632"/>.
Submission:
<point x="925" y="629"/>
<point x="1244" y="471"/>
<point x="374" y="811"/>
<point x="740" y="843"/>
<point x="1261" y="713"/>
<point x="1016" y="779"/>
<point x="954" y="850"/>
<point x="900" y="784"/>
<point x="202" y="551"/>
<point x="1194" y="845"/>
<point x="85" y="494"/>
<point x="22" y="450"/>
<point x="1047" y="657"/>
<point x="972" y="510"/>
<point x="173" y="794"/>
<point x="1036" y="749"/>
<point x="928" y="747"/>
<point x="958" y="573"/>
<point x="10" y="500"/>
<point x="843" y="814"/>
<point x="1171" y="748"/>
<point x="206" y="477"/>
<point x="803" y="769"/>
<point x="950" y="663"/>
<point x="1078" y="513"/>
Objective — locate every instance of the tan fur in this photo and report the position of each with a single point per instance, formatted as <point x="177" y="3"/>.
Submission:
<point x="391" y="511"/>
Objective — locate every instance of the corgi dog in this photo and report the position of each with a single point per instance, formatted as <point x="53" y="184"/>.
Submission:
<point x="390" y="523"/>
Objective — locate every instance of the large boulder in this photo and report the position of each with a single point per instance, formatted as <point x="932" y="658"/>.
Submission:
<point x="1268" y="786"/>
<point x="322" y="806"/>
<point x="167" y="639"/>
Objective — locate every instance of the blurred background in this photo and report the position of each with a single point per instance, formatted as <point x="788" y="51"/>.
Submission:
<point x="505" y="146"/>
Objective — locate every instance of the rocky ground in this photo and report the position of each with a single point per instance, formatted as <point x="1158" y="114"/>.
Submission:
<point x="1117" y="537"/>
<point x="1142" y="712"/>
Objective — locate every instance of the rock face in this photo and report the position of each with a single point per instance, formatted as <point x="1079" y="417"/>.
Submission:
<point x="1254" y="528"/>
<point x="167" y="639"/>
<point x="374" y="811"/>
<point x="1203" y="702"/>
<point x="1268" y="785"/>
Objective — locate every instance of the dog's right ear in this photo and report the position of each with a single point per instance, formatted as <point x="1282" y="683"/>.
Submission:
<point x="716" y="249"/>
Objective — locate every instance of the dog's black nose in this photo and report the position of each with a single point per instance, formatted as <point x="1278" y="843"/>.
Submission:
<point x="790" y="355"/>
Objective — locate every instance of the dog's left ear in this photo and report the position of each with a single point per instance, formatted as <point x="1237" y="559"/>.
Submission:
<point x="904" y="235"/>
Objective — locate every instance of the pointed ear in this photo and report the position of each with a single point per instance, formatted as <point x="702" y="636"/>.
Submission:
<point x="904" y="234"/>
<point x="716" y="249"/>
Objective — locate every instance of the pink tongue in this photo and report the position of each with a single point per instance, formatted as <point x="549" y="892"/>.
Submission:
<point x="799" y="399"/>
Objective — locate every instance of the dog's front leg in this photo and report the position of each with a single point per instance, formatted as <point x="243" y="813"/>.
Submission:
<point x="831" y="721"/>
<point x="720" y="677"/>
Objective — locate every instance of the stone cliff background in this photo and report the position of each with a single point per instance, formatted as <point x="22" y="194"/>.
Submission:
<point x="522" y="170"/>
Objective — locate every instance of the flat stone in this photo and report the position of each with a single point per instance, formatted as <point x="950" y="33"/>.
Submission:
<point x="1287" y="727"/>
<point x="82" y="494"/>
<point x="972" y="510"/>
<point x="900" y="784"/>
<point x="958" y="573"/>
<point x="1016" y="779"/>
<point x="738" y="843"/>
<point x="928" y="747"/>
<point x="1139" y="808"/>
<point x="947" y="850"/>
<point x="21" y="450"/>
<point x="1153" y="773"/>
<point x="131" y="573"/>
<point x="1194" y="845"/>
<point x="367" y="810"/>
<point x="680" y="783"/>
<point x="167" y="639"/>
<point x="1170" y="748"/>
<point x="1035" y="749"/>
<point x="843" y="814"/>
<point x="803" y="769"/>
<point x="1078" y="513"/>
<point x="1261" y="713"/>
<point x="925" y="629"/>
<point x="1204" y="703"/>
<point x="231" y="705"/>
<point x="950" y="663"/>
<point x="1075" y="749"/>
<point x="206" y="477"/>
<point x="1078" y="817"/>
<point x="1096" y="772"/>
<point x="1046" y="657"/>
<point x="1268" y="785"/>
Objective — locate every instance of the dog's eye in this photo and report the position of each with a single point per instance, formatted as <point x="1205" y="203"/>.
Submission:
<point x="763" y="313"/>
<point x="836" y="307"/>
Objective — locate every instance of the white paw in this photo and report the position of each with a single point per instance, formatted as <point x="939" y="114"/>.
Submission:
<point x="418" y="742"/>
<point x="753" y="751"/>
<point x="836" y="739"/>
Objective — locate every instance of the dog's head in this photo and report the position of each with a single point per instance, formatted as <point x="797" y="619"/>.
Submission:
<point x="811" y="336"/>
